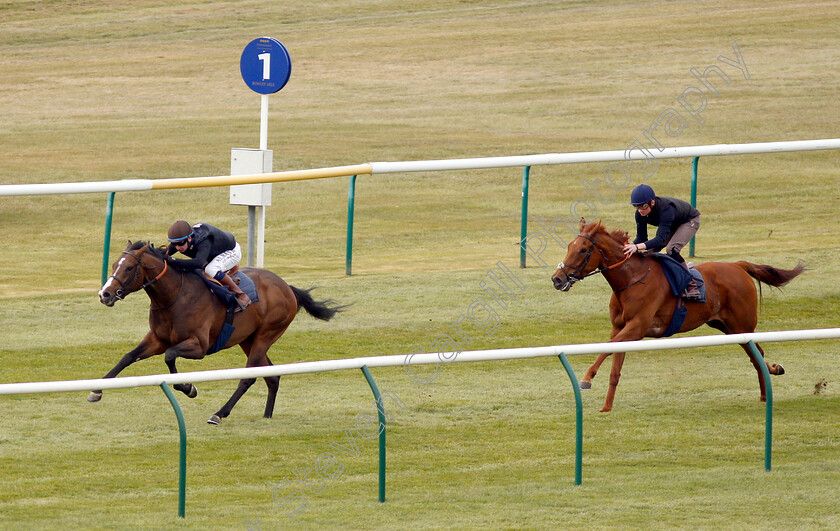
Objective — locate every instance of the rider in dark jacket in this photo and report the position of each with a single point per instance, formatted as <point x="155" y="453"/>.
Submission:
<point x="209" y="248"/>
<point x="677" y="223"/>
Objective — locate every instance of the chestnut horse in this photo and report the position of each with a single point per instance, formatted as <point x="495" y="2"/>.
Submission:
<point x="186" y="318"/>
<point x="642" y="304"/>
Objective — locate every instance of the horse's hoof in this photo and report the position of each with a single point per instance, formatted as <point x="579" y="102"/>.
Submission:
<point x="94" y="396"/>
<point x="781" y="369"/>
<point x="214" y="420"/>
<point x="193" y="392"/>
<point x="585" y="386"/>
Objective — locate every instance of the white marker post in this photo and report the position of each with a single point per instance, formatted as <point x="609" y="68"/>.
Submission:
<point x="265" y="66"/>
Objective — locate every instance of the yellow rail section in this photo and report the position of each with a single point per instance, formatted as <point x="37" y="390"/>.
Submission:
<point x="257" y="178"/>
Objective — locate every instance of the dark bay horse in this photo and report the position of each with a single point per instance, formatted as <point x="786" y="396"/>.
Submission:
<point x="185" y="317"/>
<point x="642" y="304"/>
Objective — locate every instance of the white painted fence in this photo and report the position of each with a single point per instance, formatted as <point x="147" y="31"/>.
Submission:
<point x="136" y="185"/>
<point x="164" y="380"/>
<point x="415" y="359"/>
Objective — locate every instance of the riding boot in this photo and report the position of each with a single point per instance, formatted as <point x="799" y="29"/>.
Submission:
<point x="692" y="292"/>
<point x="242" y="298"/>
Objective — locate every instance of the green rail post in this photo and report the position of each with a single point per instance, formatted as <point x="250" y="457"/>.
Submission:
<point x="380" y="408"/>
<point x="694" y="163"/>
<point x="351" y="206"/>
<point x="523" y="232"/>
<point x="182" y="428"/>
<point x="106" y="248"/>
<point x="768" y="408"/>
<point x="578" y="419"/>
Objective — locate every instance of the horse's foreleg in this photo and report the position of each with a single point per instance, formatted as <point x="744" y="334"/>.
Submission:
<point x="615" y="375"/>
<point x="150" y="346"/>
<point x="774" y="368"/>
<point x="586" y="381"/>
<point x="191" y="349"/>
<point x="631" y="332"/>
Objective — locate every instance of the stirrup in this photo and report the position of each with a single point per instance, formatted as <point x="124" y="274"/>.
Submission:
<point x="692" y="296"/>
<point x="240" y="306"/>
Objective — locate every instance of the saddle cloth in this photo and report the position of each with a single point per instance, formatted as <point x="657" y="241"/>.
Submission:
<point x="678" y="278"/>
<point x="247" y="285"/>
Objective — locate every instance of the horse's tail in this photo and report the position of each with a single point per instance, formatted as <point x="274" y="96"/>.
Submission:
<point x="770" y="275"/>
<point x="318" y="309"/>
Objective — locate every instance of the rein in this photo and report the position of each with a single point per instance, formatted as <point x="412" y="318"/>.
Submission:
<point x="150" y="282"/>
<point x="578" y="275"/>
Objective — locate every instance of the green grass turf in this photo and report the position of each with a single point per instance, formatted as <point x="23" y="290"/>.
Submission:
<point x="91" y="92"/>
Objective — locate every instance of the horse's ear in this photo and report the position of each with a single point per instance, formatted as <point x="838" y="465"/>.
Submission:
<point x="582" y="224"/>
<point x="127" y="247"/>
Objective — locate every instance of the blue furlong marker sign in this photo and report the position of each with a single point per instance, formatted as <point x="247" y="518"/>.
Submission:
<point x="265" y="65"/>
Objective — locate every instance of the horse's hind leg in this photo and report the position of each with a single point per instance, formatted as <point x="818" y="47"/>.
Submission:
<point x="241" y="389"/>
<point x="774" y="368"/>
<point x="273" y="384"/>
<point x="256" y="350"/>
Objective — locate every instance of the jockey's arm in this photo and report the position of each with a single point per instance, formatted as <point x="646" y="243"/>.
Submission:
<point x="202" y="257"/>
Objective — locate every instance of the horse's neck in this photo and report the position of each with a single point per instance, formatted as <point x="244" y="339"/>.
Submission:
<point x="624" y="270"/>
<point x="165" y="290"/>
<point x="612" y="252"/>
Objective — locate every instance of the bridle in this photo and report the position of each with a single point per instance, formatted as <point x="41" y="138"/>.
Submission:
<point x="577" y="275"/>
<point x="123" y="291"/>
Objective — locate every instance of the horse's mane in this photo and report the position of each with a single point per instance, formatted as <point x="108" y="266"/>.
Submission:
<point x="619" y="236"/>
<point x="156" y="252"/>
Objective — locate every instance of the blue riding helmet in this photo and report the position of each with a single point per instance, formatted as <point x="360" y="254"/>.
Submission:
<point x="642" y="194"/>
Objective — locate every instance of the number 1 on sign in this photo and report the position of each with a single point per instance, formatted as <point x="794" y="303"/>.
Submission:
<point x="266" y="59"/>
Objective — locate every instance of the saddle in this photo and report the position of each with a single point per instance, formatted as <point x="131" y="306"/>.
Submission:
<point x="224" y="294"/>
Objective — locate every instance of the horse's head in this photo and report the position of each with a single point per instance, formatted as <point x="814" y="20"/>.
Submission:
<point x="129" y="273"/>
<point x="581" y="258"/>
